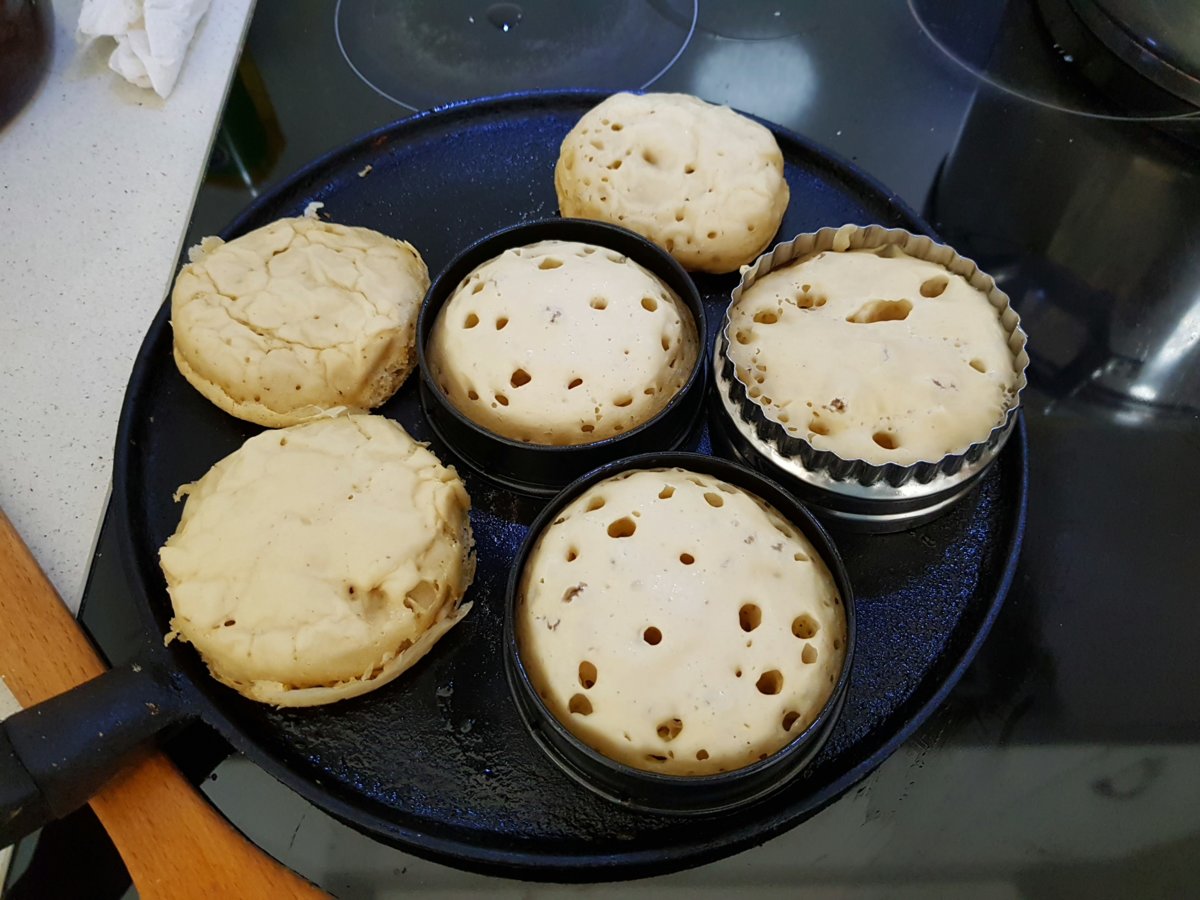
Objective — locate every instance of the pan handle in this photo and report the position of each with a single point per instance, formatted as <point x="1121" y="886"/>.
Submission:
<point x="55" y="755"/>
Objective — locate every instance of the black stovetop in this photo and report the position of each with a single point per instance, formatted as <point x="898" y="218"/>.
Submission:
<point x="1066" y="761"/>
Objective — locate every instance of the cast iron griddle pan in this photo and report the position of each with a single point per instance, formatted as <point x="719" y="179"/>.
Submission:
<point x="439" y="762"/>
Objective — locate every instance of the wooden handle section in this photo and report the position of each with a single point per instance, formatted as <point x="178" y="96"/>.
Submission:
<point x="174" y="843"/>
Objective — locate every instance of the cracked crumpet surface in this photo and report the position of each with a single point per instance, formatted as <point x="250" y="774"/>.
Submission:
<point x="320" y="561"/>
<point x="296" y="318"/>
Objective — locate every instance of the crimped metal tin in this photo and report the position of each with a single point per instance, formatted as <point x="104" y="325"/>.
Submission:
<point x="853" y="492"/>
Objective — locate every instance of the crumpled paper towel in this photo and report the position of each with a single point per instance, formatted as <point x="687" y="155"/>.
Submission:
<point x="152" y="36"/>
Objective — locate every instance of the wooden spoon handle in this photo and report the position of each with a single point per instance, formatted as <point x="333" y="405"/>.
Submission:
<point x="174" y="843"/>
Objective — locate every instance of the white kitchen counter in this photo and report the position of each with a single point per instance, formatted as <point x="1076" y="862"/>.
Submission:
<point x="97" y="181"/>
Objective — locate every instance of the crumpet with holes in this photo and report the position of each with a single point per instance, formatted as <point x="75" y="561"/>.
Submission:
<point x="320" y="561"/>
<point x="678" y="624"/>
<point x="560" y="343"/>
<point x="701" y="181"/>
<point x="296" y="318"/>
<point x="873" y="355"/>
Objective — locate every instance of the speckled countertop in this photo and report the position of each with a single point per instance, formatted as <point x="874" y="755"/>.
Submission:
<point x="97" y="181"/>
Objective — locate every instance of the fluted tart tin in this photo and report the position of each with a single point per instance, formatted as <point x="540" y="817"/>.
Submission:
<point x="855" y="492"/>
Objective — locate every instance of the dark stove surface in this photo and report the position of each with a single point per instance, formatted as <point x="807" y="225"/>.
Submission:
<point x="1067" y="762"/>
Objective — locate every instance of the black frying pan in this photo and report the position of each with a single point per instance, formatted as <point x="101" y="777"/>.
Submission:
<point x="439" y="761"/>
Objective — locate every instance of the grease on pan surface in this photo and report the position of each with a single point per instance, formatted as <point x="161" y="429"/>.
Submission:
<point x="874" y="355"/>
<point x="701" y="181"/>
<point x="320" y="561"/>
<point x="298" y="317"/>
<point x="678" y="624"/>
<point x="562" y="343"/>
